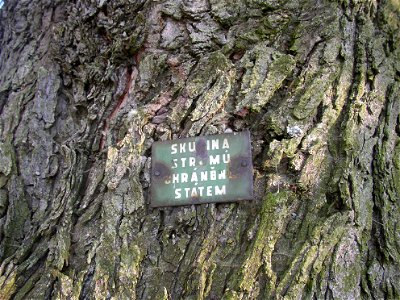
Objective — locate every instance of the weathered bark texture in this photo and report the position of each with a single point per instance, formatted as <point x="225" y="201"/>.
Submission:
<point x="86" y="87"/>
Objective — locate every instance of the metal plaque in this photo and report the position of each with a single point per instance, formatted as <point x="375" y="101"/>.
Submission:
<point x="204" y="169"/>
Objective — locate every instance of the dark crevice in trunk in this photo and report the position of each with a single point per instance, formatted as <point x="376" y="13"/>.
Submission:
<point x="87" y="285"/>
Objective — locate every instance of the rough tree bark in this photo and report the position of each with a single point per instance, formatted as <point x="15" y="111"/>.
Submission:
<point x="85" y="88"/>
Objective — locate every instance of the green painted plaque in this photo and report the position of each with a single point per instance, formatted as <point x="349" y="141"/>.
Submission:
<point x="204" y="169"/>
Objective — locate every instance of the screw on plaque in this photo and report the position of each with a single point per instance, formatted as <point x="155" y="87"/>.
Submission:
<point x="157" y="173"/>
<point x="244" y="163"/>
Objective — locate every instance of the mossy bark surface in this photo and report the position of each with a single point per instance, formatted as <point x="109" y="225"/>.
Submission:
<point x="87" y="86"/>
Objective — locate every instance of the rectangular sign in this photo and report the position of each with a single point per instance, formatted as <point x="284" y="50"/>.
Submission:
<point x="204" y="169"/>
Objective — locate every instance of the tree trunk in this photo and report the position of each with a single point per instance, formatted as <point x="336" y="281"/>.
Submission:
<point x="86" y="87"/>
